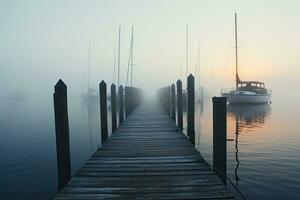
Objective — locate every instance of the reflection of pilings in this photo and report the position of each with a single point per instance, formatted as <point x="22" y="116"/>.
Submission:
<point x="237" y="132"/>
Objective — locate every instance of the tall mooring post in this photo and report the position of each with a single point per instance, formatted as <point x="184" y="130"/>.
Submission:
<point x="219" y="135"/>
<point x="173" y="107"/>
<point x="135" y="96"/>
<point x="127" y="101"/>
<point x="62" y="134"/>
<point x="168" y="93"/>
<point x="113" y="107"/>
<point x="191" y="108"/>
<point x="164" y="97"/>
<point x="121" y="105"/>
<point x="179" y="105"/>
<point x="103" y="111"/>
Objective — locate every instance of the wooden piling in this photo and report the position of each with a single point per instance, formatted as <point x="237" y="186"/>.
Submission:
<point x="219" y="135"/>
<point x="133" y="99"/>
<point x="127" y="101"/>
<point x="121" y="105"/>
<point x="168" y="93"/>
<point x="103" y="111"/>
<point x="173" y="107"/>
<point x="165" y="99"/>
<point x="179" y="105"/>
<point x="62" y="134"/>
<point x="113" y="107"/>
<point x="191" y="108"/>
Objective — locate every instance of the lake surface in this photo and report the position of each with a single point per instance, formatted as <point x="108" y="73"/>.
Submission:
<point x="263" y="159"/>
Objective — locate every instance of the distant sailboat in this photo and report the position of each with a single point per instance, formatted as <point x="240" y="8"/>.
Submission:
<point x="246" y="91"/>
<point x="118" y="69"/>
<point x="91" y="94"/>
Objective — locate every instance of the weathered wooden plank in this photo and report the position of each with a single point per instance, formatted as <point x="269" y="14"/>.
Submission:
<point x="99" y="168"/>
<point x="143" y="190"/>
<point x="141" y="168"/>
<point x="147" y="157"/>
<point x="141" y="161"/>
<point x="198" y="180"/>
<point x="174" y="196"/>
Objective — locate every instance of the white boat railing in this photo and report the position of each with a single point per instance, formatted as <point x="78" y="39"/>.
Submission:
<point x="226" y="90"/>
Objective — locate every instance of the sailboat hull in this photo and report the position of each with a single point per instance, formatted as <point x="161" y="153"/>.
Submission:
<point x="238" y="98"/>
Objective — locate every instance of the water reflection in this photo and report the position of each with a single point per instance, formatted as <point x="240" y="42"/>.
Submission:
<point x="90" y="105"/>
<point x="247" y="118"/>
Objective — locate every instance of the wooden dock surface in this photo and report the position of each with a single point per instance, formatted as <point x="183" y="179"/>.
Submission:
<point x="147" y="157"/>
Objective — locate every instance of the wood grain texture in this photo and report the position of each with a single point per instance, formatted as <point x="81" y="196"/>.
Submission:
<point x="147" y="157"/>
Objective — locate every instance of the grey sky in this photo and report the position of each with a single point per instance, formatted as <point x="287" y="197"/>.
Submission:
<point x="46" y="40"/>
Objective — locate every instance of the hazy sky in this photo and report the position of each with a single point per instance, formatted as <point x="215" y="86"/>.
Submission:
<point x="43" y="40"/>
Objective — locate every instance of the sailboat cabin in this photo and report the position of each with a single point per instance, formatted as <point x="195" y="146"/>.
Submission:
<point x="253" y="86"/>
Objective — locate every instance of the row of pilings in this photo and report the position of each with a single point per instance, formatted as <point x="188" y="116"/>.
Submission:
<point x="125" y="103"/>
<point x="173" y="100"/>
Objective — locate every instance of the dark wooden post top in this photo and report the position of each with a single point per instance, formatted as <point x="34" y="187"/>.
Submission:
<point x="121" y="105"/>
<point x="62" y="134"/>
<point x="191" y="108"/>
<point x="179" y="105"/>
<point x="173" y="107"/>
<point x="60" y="87"/>
<point x="219" y="135"/>
<point x="113" y="107"/>
<point x="103" y="111"/>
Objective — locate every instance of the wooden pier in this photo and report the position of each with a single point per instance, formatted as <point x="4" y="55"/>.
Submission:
<point x="146" y="157"/>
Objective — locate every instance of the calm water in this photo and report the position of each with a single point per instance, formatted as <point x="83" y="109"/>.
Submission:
<point x="263" y="158"/>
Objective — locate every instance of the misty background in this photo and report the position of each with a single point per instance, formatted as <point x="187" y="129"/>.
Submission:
<point x="42" y="41"/>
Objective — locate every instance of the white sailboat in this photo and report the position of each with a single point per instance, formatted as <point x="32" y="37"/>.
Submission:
<point x="246" y="92"/>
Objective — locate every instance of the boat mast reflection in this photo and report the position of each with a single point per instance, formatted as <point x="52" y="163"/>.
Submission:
<point x="237" y="132"/>
<point x="247" y="118"/>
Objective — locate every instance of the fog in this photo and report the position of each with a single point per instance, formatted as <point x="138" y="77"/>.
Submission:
<point x="47" y="40"/>
<point x="42" y="41"/>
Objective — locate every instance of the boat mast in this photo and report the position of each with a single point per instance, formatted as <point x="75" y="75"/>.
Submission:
<point x="186" y="51"/>
<point x="114" y="74"/>
<point x="129" y="67"/>
<point x="198" y="68"/>
<point x="119" y="56"/>
<point x="132" y="29"/>
<point x="236" y="53"/>
<point x="89" y="63"/>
